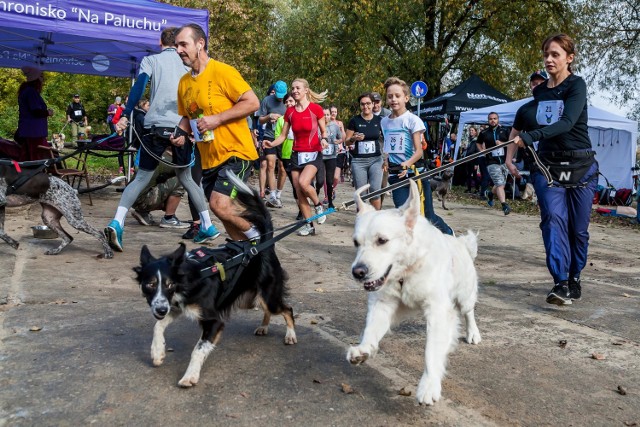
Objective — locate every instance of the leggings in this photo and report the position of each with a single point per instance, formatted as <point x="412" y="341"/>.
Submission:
<point x="143" y="177"/>
<point x="196" y="175"/>
<point x="326" y="181"/>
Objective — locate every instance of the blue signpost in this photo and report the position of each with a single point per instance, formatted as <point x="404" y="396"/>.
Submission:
<point x="419" y="90"/>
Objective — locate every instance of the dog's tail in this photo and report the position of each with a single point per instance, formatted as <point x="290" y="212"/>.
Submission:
<point x="255" y="210"/>
<point x="470" y="241"/>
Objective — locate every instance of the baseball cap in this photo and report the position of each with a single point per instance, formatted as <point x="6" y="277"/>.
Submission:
<point x="281" y="89"/>
<point x="540" y="74"/>
<point x="77" y="95"/>
<point x="375" y="96"/>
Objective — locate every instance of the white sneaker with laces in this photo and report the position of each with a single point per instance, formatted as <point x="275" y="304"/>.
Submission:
<point x="306" y="230"/>
<point x="320" y="210"/>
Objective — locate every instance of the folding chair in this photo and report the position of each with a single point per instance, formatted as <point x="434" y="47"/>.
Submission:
<point x="61" y="170"/>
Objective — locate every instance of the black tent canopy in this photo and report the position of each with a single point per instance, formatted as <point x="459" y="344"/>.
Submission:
<point x="471" y="94"/>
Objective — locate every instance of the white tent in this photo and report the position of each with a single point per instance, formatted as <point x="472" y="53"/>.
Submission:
<point x="614" y="138"/>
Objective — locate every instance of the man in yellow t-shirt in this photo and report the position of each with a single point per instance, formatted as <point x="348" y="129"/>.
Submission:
<point x="215" y="101"/>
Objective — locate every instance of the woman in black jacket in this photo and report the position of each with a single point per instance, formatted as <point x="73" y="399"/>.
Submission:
<point x="556" y="121"/>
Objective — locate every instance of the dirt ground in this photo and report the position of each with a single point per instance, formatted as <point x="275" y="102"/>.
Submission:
<point x="75" y="336"/>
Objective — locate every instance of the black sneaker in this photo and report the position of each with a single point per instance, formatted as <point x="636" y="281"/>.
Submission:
<point x="192" y="231"/>
<point x="560" y="294"/>
<point x="506" y="208"/>
<point x="299" y="217"/>
<point x="575" y="290"/>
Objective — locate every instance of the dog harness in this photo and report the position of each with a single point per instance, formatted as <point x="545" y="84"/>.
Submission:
<point x="229" y="260"/>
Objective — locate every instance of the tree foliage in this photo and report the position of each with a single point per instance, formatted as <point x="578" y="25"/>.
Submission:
<point x="350" y="46"/>
<point x="611" y="47"/>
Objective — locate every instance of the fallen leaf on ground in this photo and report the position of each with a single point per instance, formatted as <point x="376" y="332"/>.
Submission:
<point x="317" y="381"/>
<point x="314" y="322"/>
<point x="346" y="388"/>
<point x="627" y="296"/>
<point x="598" y="356"/>
<point x="243" y="394"/>
<point x="35" y="328"/>
<point x="319" y="290"/>
<point x="404" y="392"/>
<point x="562" y="343"/>
<point x="622" y="390"/>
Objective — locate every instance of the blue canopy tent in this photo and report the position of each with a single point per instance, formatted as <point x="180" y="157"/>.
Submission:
<point x="97" y="37"/>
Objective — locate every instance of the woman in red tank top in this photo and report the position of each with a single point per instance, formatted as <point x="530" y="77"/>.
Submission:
<point x="306" y="120"/>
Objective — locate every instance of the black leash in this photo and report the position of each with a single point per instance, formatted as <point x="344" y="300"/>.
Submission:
<point x="247" y="250"/>
<point x="427" y="174"/>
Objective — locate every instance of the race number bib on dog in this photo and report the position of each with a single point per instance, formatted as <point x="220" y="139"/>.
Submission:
<point x="366" y="147"/>
<point x="329" y="150"/>
<point x="394" y="142"/>
<point x="304" y="158"/>
<point x="549" y="112"/>
<point x="498" y="152"/>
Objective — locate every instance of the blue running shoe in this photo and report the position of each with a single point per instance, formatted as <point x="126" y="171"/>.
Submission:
<point x="114" y="235"/>
<point x="489" y="195"/>
<point x="206" y="235"/>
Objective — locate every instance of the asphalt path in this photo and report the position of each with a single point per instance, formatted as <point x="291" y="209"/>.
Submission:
<point x="76" y="332"/>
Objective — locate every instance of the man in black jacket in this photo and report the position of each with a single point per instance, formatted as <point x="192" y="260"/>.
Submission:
<point x="490" y="137"/>
<point x="77" y="117"/>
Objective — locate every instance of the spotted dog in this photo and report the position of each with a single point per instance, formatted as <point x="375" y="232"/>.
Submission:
<point x="57" y="198"/>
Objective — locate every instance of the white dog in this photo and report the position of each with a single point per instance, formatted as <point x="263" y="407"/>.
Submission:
<point x="409" y="266"/>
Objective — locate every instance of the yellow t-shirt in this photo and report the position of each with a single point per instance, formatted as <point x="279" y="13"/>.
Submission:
<point x="213" y="91"/>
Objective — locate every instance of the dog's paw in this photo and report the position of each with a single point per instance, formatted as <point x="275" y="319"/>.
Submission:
<point x="189" y="380"/>
<point x="261" y="330"/>
<point x="473" y="336"/>
<point x="290" y="337"/>
<point x="429" y="391"/>
<point x="157" y="354"/>
<point x="356" y="356"/>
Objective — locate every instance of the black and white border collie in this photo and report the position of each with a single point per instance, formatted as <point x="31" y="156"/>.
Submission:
<point x="173" y="286"/>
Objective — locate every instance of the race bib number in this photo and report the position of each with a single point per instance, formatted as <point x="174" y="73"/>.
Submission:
<point x="77" y="113"/>
<point x="329" y="150"/>
<point x="304" y="158"/>
<point x="394" y="142"/>
<point x="367" y="147"/>
<point x="549" y="112"/>
<point x="498" y="152"/>
<point x="207" y="136"/>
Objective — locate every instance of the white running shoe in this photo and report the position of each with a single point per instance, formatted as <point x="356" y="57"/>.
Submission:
<point x="320" y="210"/>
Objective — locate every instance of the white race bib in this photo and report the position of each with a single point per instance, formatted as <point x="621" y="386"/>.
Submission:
<point x="498" y="152"/>
<point x="394" y="142"/>
<point x="329" y="150"/>
<point x="197" y="136"/>
<point x="549" y="112"/>
<point x="367" y="147"/>
<point x="77" y="113"/>
<point x="304" y="158"/>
